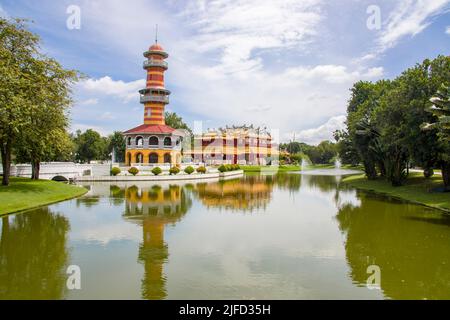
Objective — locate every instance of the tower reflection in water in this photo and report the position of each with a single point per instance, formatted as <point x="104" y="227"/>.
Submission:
<point x="153" y="208"/>
<point x="158" y="206"/>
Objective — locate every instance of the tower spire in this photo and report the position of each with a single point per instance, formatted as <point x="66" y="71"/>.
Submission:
<point x="156" y="34"/>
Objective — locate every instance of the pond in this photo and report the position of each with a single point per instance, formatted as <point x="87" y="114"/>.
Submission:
<point x="284" y="236"/>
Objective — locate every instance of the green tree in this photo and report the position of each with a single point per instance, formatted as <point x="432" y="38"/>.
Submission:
<point x="345" y="148"/>
<point x="441" y="111"/>
<point x="117" y="143"/>
<point x="362" y="128"/>
<point x="175" y="121"/>
<point x="18" y="52"/>
<point x="89" y="146"/>
<point x="45" y="135"/>
<point x="403" y="110"/>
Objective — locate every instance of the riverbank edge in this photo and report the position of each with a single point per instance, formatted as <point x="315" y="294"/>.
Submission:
<point x="78" y="191"/>
<point x="160" y="178"/>
<point x="360" y="182"/>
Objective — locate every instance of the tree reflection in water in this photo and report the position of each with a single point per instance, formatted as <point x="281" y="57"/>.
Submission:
<point x="408" y="242"/>
<point x="33" y="255"/>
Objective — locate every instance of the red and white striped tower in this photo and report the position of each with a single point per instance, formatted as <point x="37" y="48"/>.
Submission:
<point x="155" y="96"/>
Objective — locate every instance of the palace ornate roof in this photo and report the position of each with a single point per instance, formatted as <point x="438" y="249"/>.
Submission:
<point x="149" y="128"/>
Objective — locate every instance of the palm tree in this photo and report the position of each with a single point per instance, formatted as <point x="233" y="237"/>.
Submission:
<point x="441" y="110"/>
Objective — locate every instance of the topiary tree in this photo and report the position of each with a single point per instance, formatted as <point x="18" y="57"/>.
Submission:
<point x="189" y="170"/>
<point x="201" y="170"/>
<point x="115" y="171"/>
<point x="222" y="168"/>
<point x="156" y="171"/>
<point x="133" y="170"/>
<point x="174" y="170"/>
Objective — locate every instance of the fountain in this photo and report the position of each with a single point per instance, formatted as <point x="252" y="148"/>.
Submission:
<point x="304" y="165"/>
<point x="337" y="163"/>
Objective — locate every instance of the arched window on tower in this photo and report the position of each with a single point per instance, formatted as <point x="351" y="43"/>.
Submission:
<point x="139" y="141"/>
<point x="167" y="158"/>
<point x="153" y="158"/>
<point x="153" y="141"/>
<point x="167" y="141"/>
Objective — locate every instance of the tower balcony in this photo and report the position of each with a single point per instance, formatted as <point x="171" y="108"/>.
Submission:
<point x="154" y="98"/>
<point x="155" y="63"/>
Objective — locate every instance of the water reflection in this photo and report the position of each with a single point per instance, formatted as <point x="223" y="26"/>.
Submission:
<point x="313" y="238"/>
<point x="33" y="255"/>
<point x="154" y="208"/>
<point x="236" y="195"/>
<point x="408" y="242"/>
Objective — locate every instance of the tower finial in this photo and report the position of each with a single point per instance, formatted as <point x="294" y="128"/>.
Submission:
<point x="156" y="34"/>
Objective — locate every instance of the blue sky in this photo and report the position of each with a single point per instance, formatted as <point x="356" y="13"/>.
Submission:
<point x="287" y="65"/>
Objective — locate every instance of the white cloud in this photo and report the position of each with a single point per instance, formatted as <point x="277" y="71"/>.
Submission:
<point x="127" y="91"/>
<point x="83" y="127"/>
<point x="375" y="72"/>
<point x="410" y="18"/>
<point x="321" y="133"/>
<point x="238" y="28"/>
<point x="447" y="31"/>
<point x="3" y="13"/>
<point x="89" y="102"/>
<point x="107" y="116"/>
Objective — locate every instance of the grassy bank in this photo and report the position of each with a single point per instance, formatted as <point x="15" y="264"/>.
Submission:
<point x="24" y="194"/>
<point x="417" y="189"/>
<point x="285" y="168"/>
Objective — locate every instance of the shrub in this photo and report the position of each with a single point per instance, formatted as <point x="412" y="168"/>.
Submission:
<point x="133" y="170"/>
<point x="201" y="170"/>
<point x="115" y="171"/>
<point x="174" y="170"/>
<point x="222" y="168"/>
<point x="189" y="170"/>
<point x="156" y="171"/>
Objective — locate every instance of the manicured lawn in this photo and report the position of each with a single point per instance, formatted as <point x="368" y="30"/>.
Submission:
<point x="24" y="194"/>
<point x="417" y="189"/>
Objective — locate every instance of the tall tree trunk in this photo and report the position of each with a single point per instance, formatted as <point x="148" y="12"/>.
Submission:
<point x="382" y="168"/>
<point x="369" y="168"/>
<point x="35" y="168"/>
<point x="446" y="175"/>
<point x="6" y="162"/>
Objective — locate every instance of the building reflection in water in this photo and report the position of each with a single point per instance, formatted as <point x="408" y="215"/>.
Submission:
<point x="33" y="255"/>
<point x="408" y="242"/>
<point x="247" y="194"/>
<point x="154" y="208"/>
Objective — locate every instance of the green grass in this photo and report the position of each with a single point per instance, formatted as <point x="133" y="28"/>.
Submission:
<point x="23" y="194"/>
<point x="284" y="168"/>
<point x="417" y="189"/>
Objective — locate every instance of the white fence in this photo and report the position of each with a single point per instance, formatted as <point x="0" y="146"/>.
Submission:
<point x="49" y="171"/>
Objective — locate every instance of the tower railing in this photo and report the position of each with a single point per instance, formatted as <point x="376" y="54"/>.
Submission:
<point x="154" y="98"/>
<point x="155" y="63"/>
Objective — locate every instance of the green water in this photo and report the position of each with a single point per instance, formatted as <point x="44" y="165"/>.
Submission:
<point x="260" y="237"/>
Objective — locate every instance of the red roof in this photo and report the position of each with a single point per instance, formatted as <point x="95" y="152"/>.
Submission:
<point x="150" y="128"/>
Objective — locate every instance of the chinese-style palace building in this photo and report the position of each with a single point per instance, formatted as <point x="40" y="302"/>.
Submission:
<point x="154" y="142"/>
<point x="235" y="145"/>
